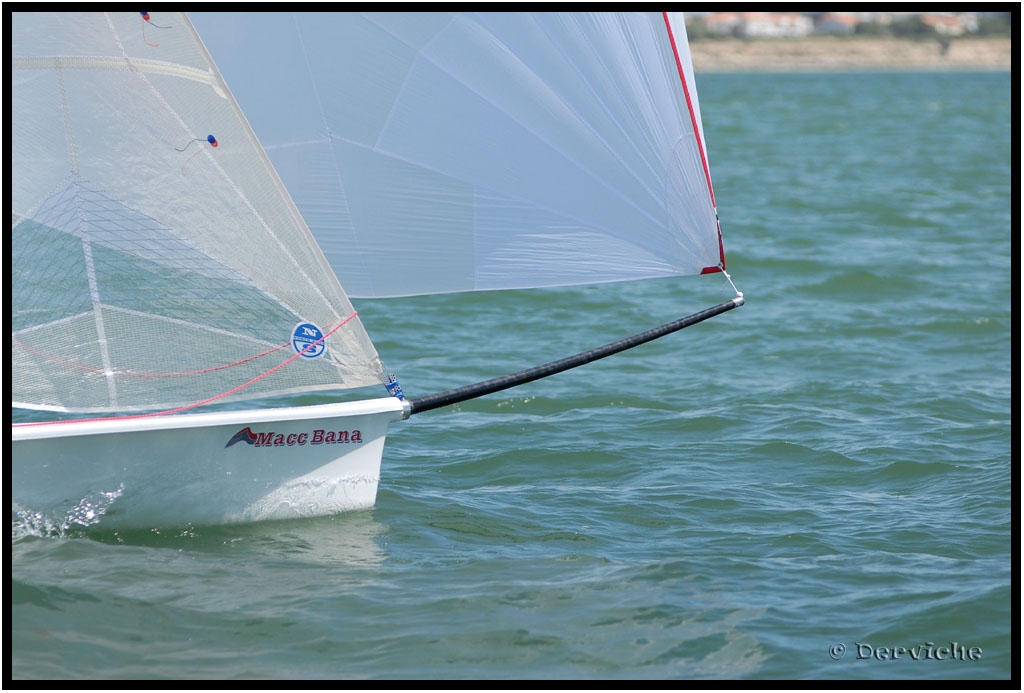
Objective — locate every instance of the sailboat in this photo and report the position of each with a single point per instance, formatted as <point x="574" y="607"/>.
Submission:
<point x="177" y="245"/>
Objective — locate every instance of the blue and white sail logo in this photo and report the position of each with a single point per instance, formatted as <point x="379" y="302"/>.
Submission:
<point x="308" y="340"/>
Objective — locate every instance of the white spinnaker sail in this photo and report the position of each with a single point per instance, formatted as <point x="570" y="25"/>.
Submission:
<point x="157" y="259"/>
<point x="438" y="152"/>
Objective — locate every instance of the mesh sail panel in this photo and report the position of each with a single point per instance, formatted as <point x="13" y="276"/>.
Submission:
<point x="157" y="261"/>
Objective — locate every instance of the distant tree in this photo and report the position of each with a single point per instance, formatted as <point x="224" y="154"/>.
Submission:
<point x="994" y="24"/>
<point x="872" y="29"/>
<point x="697" y="30"/>
<point x="912" y="27"/>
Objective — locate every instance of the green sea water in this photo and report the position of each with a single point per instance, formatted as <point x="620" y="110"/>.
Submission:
<point x="818" y="485"/>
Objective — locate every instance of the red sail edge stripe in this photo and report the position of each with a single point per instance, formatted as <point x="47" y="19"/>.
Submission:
<point x="700" y="143"/>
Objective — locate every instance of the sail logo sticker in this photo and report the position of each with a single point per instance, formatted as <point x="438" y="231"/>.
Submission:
<point x="308" y="340"/>
<point x="317" y="436"/>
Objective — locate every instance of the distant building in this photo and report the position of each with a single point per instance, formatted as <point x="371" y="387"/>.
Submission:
<point x="751" y="25"/>
<point x="759" y="24"/>
<point x="842" y="23"/>
<point x="948" y="24"/>
<point x="722" y="23"/>
<point x="775" y="25"/>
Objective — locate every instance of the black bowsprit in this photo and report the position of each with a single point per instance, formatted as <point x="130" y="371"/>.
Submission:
<point x="486" y="387"/>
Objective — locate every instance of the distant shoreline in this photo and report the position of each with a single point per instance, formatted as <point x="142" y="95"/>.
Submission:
<point x="839" y="54"/>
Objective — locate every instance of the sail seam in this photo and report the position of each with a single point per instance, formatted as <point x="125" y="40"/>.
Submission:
<point x="110" y="63"/>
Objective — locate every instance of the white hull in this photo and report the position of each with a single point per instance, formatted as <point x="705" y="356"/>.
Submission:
<point x="203" y="469"/>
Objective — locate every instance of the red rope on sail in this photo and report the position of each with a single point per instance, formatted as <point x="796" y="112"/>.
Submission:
<point x="222" y="395"/>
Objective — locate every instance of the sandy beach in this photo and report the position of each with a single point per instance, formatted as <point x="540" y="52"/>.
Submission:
<point x="844" y="54"/>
